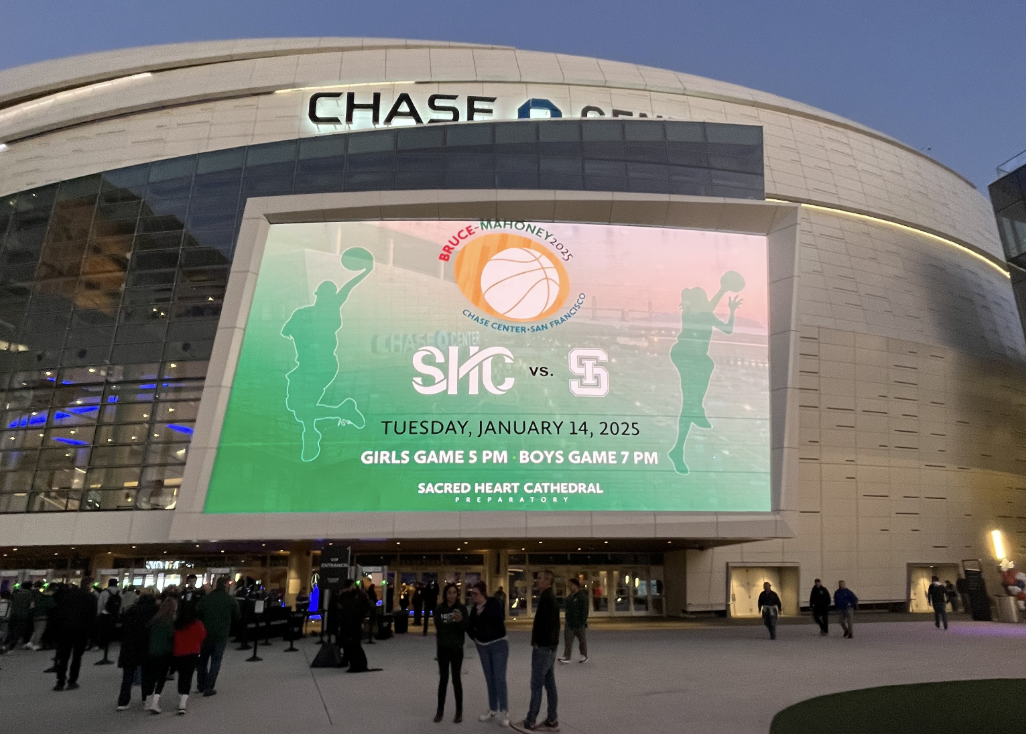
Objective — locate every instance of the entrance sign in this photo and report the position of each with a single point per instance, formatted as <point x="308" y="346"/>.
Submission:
<point x="492" y="366"/>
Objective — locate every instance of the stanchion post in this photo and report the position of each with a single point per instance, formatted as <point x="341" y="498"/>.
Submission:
<point x="292" y="631"/>
<point x="256" y="641"/>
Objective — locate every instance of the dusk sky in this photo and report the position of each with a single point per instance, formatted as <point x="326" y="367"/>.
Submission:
<point x="942" y="75"/>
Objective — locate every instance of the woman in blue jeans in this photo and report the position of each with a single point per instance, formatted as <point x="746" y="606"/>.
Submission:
<point x="487" y="628"/>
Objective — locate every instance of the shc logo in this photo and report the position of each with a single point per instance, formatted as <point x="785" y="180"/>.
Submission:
<point x="511" y="277"/>
<point x="477" y="369"/>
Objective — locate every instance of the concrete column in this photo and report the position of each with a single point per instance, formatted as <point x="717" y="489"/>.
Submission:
<point x="300" y="567"/>
<point x="675" y="582"/>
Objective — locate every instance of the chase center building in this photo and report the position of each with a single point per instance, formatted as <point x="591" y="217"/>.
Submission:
<point x="477" y="311"/>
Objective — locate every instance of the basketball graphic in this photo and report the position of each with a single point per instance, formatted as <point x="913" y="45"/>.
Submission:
<point x="520" y="283"/>
<point x="511" y="277"/>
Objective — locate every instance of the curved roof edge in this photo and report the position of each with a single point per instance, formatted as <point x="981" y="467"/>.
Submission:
<point x="21" y="83"/>
<point x="24" y="83"/>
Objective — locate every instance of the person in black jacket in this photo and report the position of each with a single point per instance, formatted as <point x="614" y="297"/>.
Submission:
<point x="770" y="608"/>
<point x="487" y="628"/>
<point x="544" y="640"/>
<point x="75" y="615"/>
<point x="430" y="602"/>
<point x="450" y="624"/>
<point x="418" y="603"/>
<point x="353" y="608"/>
<point x="819" y="600"/>
<point x="135" y="643"/>
<point x="938" y="599"/>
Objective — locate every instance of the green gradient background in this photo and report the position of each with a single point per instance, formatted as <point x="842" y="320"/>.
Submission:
<point x="632" y="277"/>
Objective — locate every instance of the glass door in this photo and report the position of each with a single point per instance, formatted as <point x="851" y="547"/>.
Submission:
<point x="639" y="591"/>
<point x="517" y="593"/>
<point x="621" y="592"/>
<point x="599" y="592"/>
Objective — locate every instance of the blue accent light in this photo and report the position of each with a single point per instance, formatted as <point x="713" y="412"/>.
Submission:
<point x="70" y="441"/>
<point x="188" y="430"/>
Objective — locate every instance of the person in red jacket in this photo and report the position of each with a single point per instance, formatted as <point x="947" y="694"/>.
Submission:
<point x="189" y="636"/>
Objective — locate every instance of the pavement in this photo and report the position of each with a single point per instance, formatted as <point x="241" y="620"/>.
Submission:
<point x="705" y="678"/>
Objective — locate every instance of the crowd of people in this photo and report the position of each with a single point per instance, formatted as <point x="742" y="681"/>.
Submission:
<point x="179" y="633"/>
<point x="176" y="634"/>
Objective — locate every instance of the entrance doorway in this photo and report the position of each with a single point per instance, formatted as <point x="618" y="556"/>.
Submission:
<point x="746" y="585"/>
<point x="919" y="575"/>
<point x="406" y="576"/>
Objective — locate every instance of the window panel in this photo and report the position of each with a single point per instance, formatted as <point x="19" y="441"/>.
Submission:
<point x="181" y="390"/>
<point x="130" y="433"/>
<point x="53" y="501"/>
<point x="11" y="461"/>
<point x="63" y="458"/>
<point x="171" y="432"/>
<point x="122" y="499"/>
<point x="73" y="478"/>
<point x="158" y="241"/>
<point x="181" y="370"/>
<point x="118" y="455"/>
<point x="167" y="453"/>
<point x="158" y="496"/>
<point x="122" y="477"/>
<point x="188" y="350"/>
<point x="13" y="502"/>
<point x="132" y="392"/>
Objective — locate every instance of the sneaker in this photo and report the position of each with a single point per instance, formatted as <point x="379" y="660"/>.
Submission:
<point x="183" y="701"/>
<point x="525" y="726"/>
<point x="583" y="660"/>
<point x="548" y="726"/>
<point x="123" y="708"/>
<point x="564" y="660"/>
<point x="504" y="719"/>
<point x="209" y="692"/>
<point x="488" y="716"/>
<point x="72" y="686"/>
<point x="59" y="687"/>
<point x="154" y="707"/>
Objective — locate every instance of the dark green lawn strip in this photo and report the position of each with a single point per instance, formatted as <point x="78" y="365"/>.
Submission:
<point x="959" y="707"/>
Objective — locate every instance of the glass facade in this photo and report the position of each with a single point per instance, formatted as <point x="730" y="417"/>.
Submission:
<point x="111" y="285"/>
<point x="1008" y="197"/>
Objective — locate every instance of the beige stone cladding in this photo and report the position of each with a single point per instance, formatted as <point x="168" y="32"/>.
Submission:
<point x="197" y="98"/>
<point x="912" y="383"/>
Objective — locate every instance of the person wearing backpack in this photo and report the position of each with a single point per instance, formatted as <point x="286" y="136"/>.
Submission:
<point x="108" y="607"/>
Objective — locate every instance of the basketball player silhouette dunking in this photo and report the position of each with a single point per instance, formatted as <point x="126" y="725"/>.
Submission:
<point x="313" y="331"/>
<point x="690" y="355"/>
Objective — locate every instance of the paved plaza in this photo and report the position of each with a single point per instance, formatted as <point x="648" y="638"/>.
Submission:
<point x="707" y="679"/>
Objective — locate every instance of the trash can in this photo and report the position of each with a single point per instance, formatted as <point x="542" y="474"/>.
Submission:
<point x="384" y="627"/>
<point x="1007" y="609"/>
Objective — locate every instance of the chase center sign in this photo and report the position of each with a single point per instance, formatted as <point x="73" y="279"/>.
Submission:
<point x="387" y="106"/>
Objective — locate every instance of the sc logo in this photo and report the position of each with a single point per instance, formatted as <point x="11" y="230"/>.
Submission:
<point x="594" y="382"/>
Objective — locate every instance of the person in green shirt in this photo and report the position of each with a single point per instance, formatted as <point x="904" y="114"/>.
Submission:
<point x="217" y="610"/>
<point x="576" y="621"/>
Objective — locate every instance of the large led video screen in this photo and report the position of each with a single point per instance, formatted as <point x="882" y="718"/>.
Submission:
<point x="495" y="366"/>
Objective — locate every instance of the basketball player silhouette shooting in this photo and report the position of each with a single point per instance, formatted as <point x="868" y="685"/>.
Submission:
<point x="314" y="330"/>
<point x="690" y="355"/>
